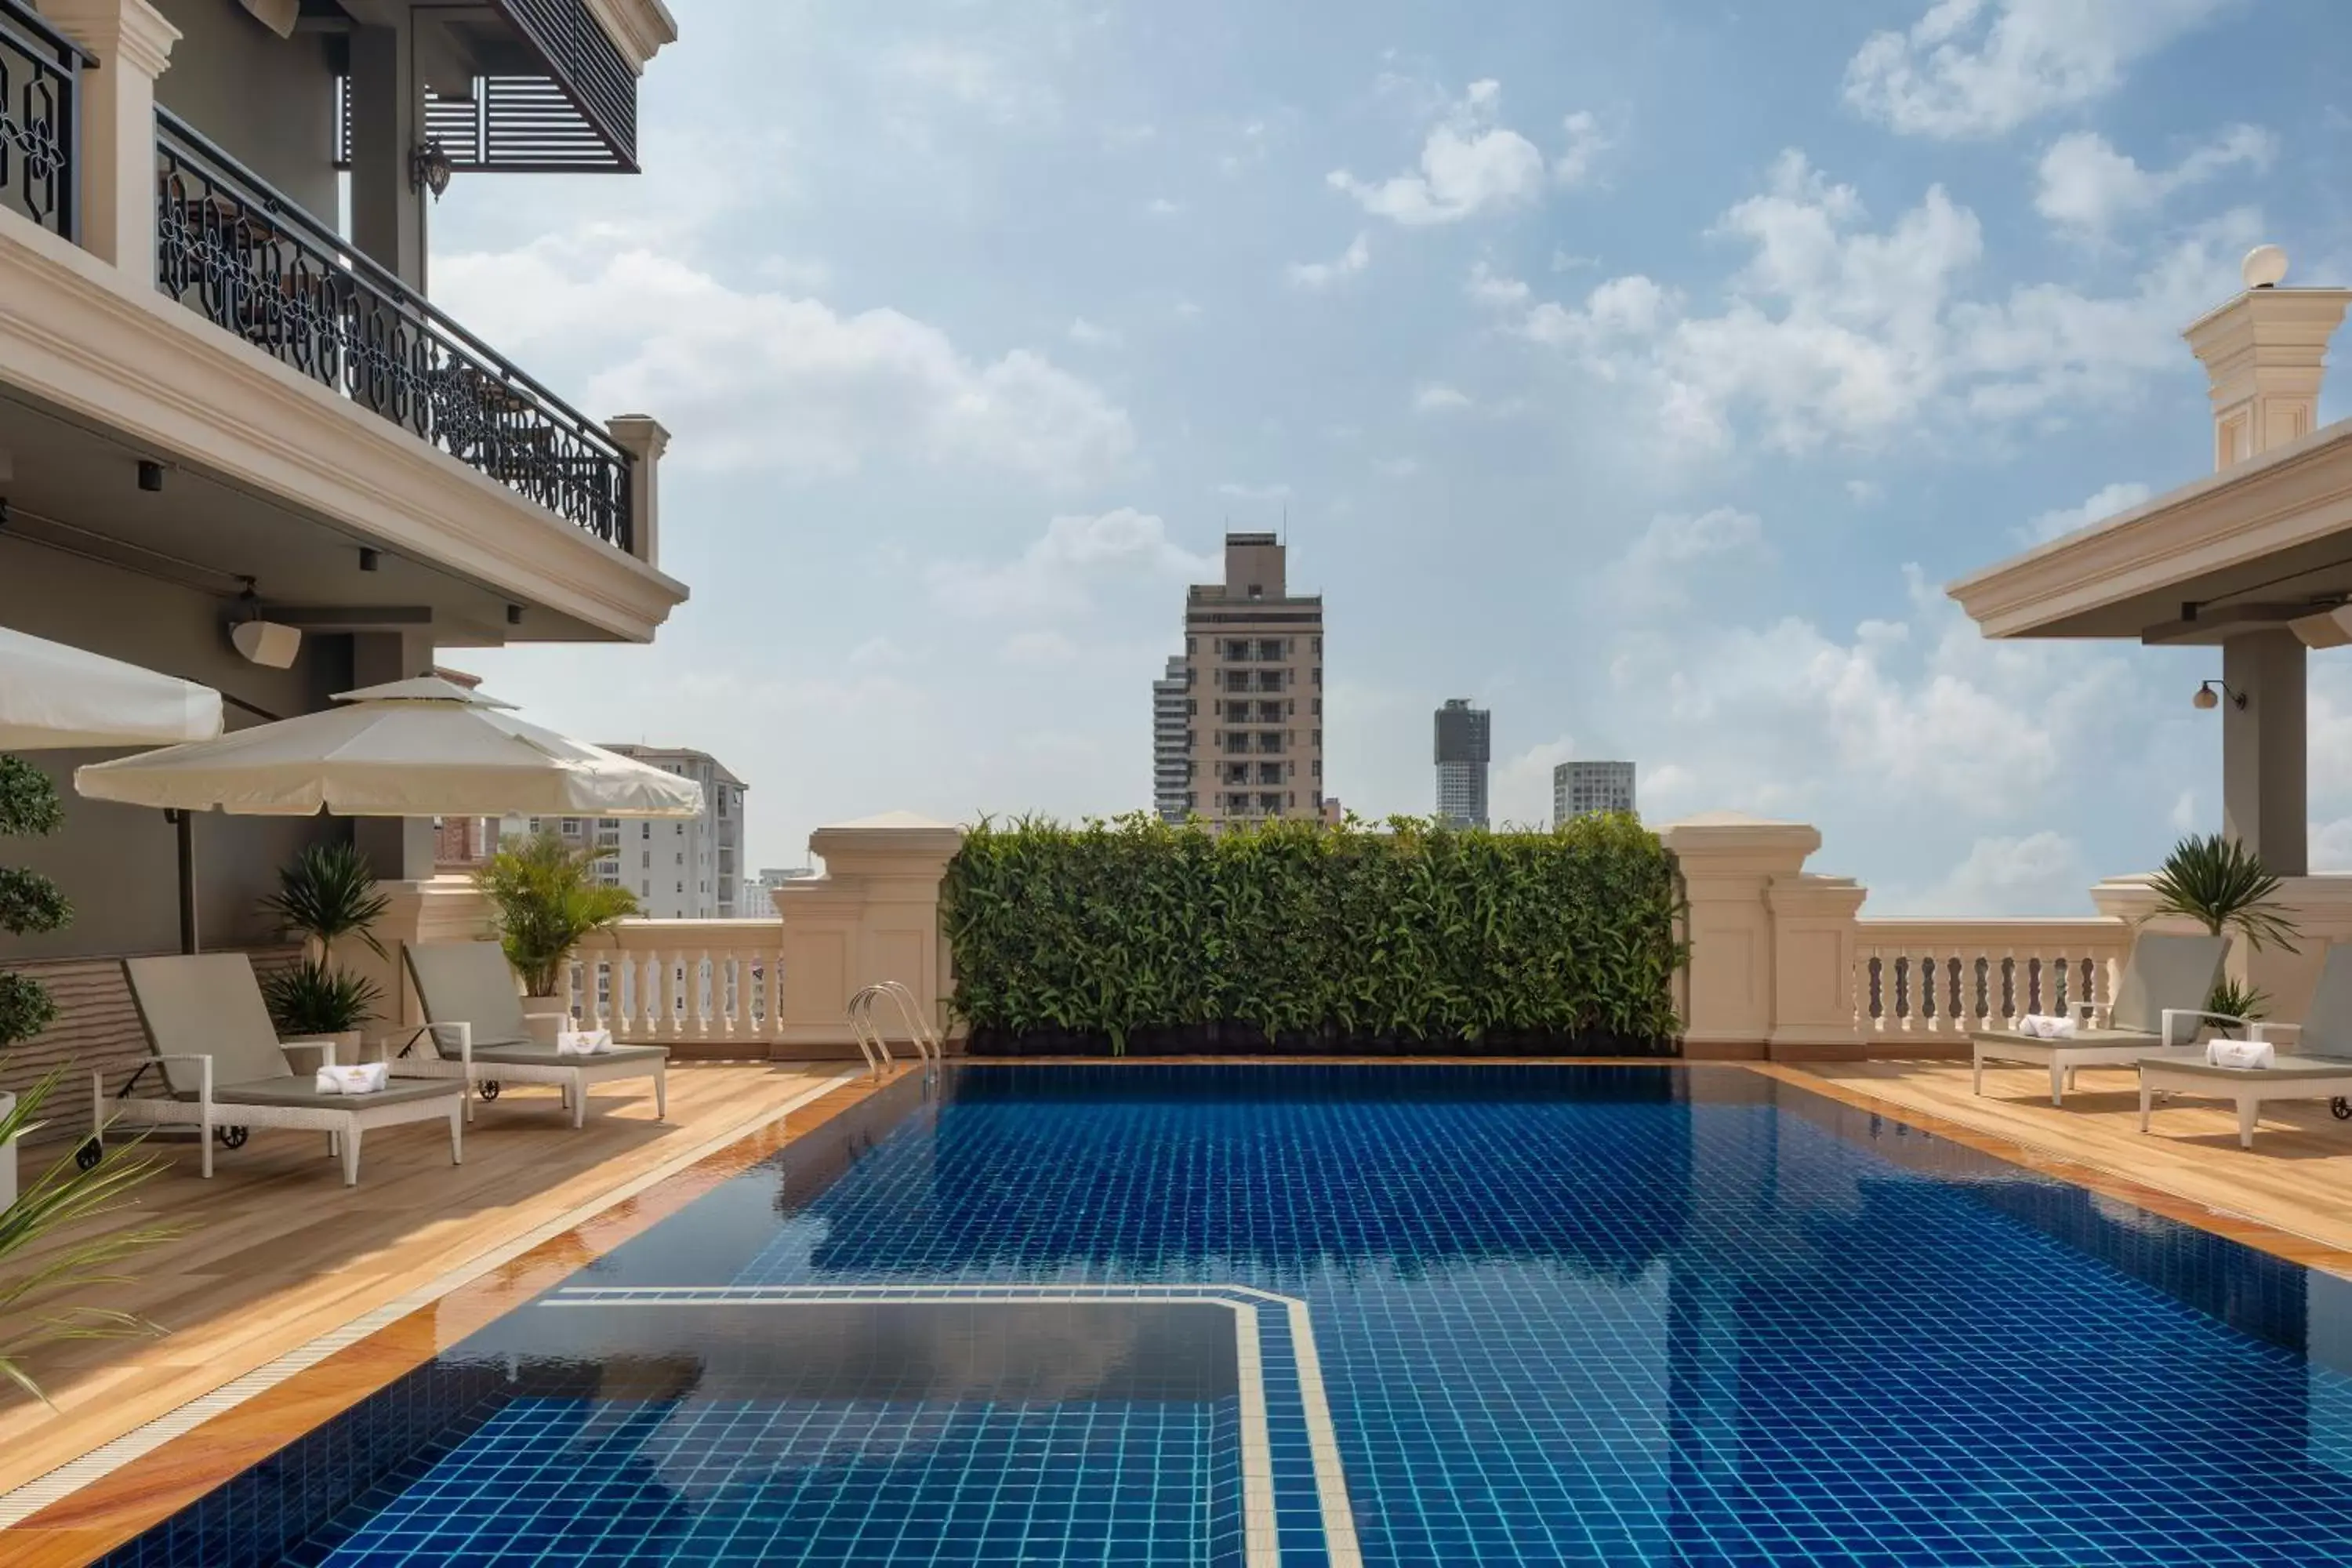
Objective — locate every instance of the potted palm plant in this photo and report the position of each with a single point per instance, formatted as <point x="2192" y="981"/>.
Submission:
<point x="547" y="901"/>
<point x="2223" y="886"/>
<point x="328" y="895"/>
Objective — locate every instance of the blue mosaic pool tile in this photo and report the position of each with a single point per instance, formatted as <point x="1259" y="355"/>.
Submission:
<point x="559" y="1481"/>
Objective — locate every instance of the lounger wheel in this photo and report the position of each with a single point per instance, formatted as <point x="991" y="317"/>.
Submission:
<point x="2342" y="1108"/>
<point x="488" y="1089"/>
<point x="87" y="1157"/>
<point x="231" y="1137"/>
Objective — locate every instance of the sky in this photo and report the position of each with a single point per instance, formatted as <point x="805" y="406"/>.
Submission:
<point x="1643" y="372"/>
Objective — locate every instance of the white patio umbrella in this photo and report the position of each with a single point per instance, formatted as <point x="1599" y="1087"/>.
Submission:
<point x="425" y="747"/>
<point x="54" y="696"/>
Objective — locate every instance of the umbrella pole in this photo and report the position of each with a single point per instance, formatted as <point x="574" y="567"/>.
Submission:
<point x="185" y="823"/>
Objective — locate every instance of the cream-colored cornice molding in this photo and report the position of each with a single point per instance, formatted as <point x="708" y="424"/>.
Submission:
<point x="638" y="29"/>
<point x="74" y="334"/>
<point x="2271" y="503"/>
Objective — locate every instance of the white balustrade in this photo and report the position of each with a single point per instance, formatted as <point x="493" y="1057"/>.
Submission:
<point x="702" y="983"/>
<point x="1949" y="976"/>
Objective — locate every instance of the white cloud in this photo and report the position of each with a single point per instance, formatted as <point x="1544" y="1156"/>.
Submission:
<point x="1469" y="165"/>
<point x="1520" y="789"/>
<point x="2184" y="811"/>
<point x="1396" y="467"/>
<point x="1865" y="492"/>
<point x="1978" y="67"/>
<point x="755" y="379"/>
<point x="1833" y="331"/>
<point x="2040" y="871"/>
<point x="1236" y="491"/>
<point x="1038" y="647"/>
<point x="1053" y="571"/>
<point x="1162" y="207"/>
<point x="1585" y="145"/>
<point x="1491" y="288"/>
<point x="1436" y="397"/>
<point x="1089" y="335"/>
<point x="1656" y="568"/>
<point x="1323" y="274"/>
<point x="2103" y="502"/>
<point x="2087" y="187"/>
<point x="930" y="73"/>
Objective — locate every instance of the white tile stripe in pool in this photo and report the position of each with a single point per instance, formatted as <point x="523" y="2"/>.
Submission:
<point x="1260" y="1543"/>
<point x="75" y="1474"/>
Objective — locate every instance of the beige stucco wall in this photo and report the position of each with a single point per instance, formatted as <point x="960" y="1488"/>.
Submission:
<point x="267" y="102"/>
<point x="116" y="863"/>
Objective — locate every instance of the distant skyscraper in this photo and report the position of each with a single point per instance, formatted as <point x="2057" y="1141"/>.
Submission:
<point x="1254" y="706"/>
<point x="1171" y="741"/>
<point x="1579" y="788"/>
<point x="1463" y="749"/>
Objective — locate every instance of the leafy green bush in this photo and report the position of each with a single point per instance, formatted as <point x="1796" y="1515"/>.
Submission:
<point x="1416" y="934"/>
<point x="2223" y="886"/>
<point x="313" y="997"/>
<point x="29" y="902"/>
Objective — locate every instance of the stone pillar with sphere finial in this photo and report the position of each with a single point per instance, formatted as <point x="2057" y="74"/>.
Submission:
<point x="2266" y="355"/>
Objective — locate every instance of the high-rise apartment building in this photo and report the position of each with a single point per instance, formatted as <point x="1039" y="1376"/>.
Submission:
<point x="1255" y="651"/>
<point x="684" y="869"/>
<point x="1463" y="748"/>
<point x="1173" y="705"/>
<point x="1579" y="788"/>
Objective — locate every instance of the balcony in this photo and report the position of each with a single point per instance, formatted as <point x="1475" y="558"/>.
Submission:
<point x="252" y="263"/>
<point x="40" y="85"/>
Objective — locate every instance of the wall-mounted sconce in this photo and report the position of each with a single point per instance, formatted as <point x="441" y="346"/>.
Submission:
<point x="429" y="169"/>
<point x="2210" y="694"/>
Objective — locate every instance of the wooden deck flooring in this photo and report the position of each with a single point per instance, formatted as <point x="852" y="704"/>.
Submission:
<point x="2294" y="1185"/>
<point x="279" y="1251"/>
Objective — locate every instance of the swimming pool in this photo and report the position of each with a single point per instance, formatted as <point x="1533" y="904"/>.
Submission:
<point x="1321" y="1313"/>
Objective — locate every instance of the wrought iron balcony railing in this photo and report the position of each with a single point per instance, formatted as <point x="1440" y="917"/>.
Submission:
<point x="252" y="262"/>
<point x="40" y="105"/>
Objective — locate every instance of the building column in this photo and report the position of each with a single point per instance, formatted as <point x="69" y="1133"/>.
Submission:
<point x="133" y="45"/>
<point x="388" y="214"/>
<point x="1771" y="968"/>
<point x="873" y="916"/>
<point x="643" y="439"/>
<point x="2264" y="762"/>
<point x="399" y="847"/>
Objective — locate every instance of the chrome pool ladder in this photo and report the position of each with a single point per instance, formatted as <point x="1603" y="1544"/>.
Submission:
<point x="871" y="1043"/>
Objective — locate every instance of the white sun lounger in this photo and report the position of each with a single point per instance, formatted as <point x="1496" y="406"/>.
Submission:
<point x="475" y="1034"/>
<point x="210" y="1034"/>
<point x="2319" y="1065"/>
<point x="2159" y="1003"/>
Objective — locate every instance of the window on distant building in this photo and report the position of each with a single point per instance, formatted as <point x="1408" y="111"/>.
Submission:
<point x="645" y="830"/>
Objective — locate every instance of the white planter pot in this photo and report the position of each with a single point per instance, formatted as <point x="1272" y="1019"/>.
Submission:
<point x="546" y="1018"/>
<point x="7" y="1157"/>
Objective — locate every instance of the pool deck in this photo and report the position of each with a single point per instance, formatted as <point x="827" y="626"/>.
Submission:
<point x="2290" y="1195"/>
<point x="279" y="1252"/>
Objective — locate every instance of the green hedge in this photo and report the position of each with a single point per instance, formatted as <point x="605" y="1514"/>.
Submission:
<point x="1407" y="933"/>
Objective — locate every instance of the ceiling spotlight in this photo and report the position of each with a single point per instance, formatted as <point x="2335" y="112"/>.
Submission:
<point x="151" y="474"/>
<point x="369" y="559"/>
<point x="514" y="615"/>
<point x="2210" y="694"/>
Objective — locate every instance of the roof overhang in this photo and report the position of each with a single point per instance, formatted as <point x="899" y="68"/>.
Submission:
<point x="2258" y="543"/>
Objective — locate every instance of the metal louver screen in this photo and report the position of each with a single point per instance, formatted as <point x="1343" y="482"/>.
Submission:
<point x="515" y="124"/>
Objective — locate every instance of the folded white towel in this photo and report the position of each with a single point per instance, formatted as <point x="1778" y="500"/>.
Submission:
<point x="2043" y="1026"/>
<point x="584" y="1042"/>
<point x="353" y="1078"/>
<point x="2241" y="1054"/>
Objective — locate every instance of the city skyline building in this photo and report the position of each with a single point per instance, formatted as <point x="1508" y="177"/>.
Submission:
<point x="1464" y="747"/>
<point x="1172" y="706"/>
<point x="682" y="869"/>
<point x="1581" y="788"/>
<point x="1254" y="697"/>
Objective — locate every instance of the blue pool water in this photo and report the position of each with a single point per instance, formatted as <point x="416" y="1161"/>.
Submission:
<point x="1554" y="1315"/>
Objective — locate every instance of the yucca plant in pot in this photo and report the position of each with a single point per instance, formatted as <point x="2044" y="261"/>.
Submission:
<point x="329" y="894"/>
<point x="547" y="901"/>
<point x="2224" y="886"/>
